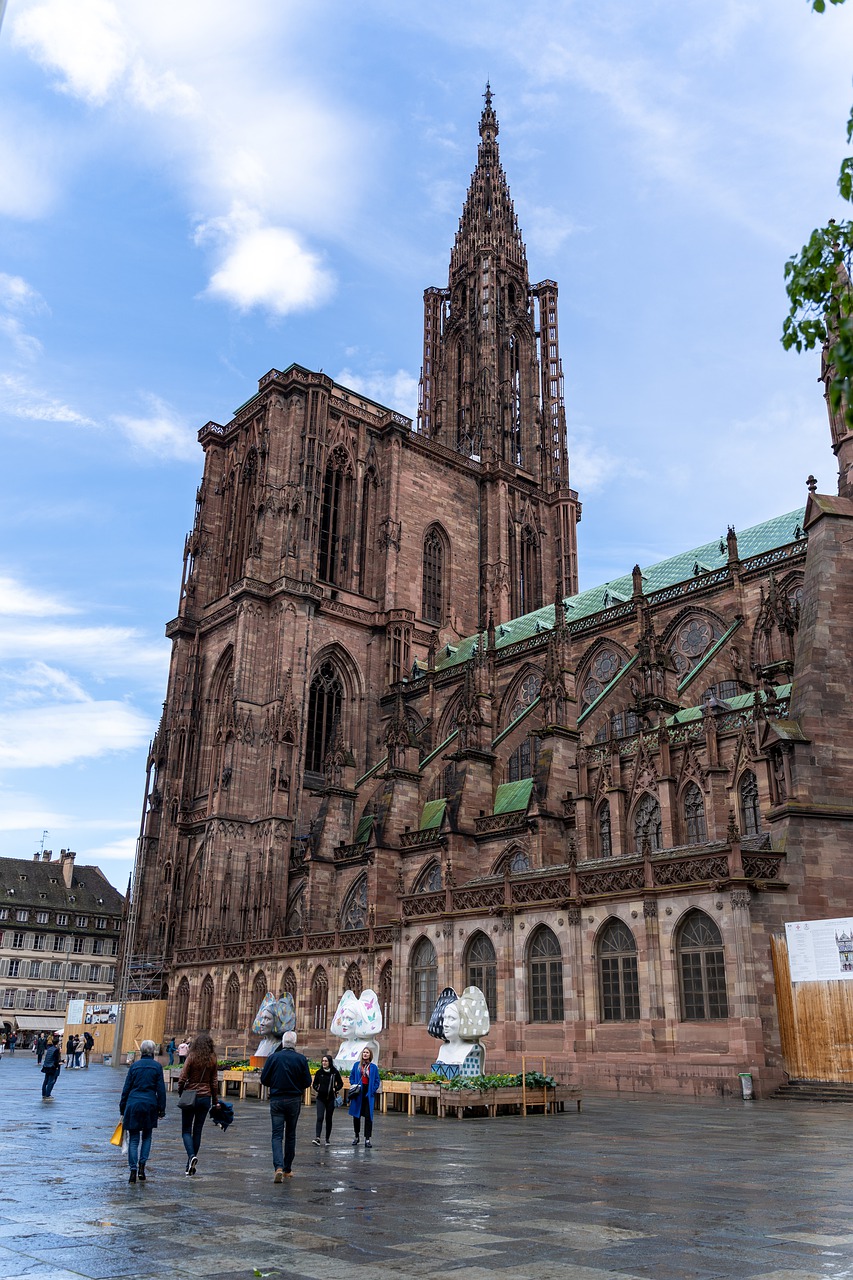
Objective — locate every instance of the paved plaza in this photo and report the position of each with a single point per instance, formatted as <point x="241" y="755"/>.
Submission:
<point x="663" y="1189"/>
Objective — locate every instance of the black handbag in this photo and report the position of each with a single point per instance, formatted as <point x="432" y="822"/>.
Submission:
<point x="187" y="1099"/>
<point x="355" y="1090"/>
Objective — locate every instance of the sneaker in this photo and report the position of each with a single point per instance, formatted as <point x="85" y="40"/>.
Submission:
<point x="316" y="1141"/>
<point x="141" y="1173"/>
<point x="279" y="1175"/>
<point x="193" y="1165"/>
<point x="355" y="1141"/>
<point x="328" y="1143"/>
<point x="367" y="1142"/>
<point x="132" y="1177"/>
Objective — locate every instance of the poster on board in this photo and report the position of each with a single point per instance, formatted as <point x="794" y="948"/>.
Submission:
<point x="74" y="1013"/>
<point x="820" y="950"/>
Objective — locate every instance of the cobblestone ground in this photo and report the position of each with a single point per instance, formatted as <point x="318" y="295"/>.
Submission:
<point x="672" y="1190"/>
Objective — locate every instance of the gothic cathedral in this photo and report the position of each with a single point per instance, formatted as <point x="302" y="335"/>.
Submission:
<point x="401" y="750"/>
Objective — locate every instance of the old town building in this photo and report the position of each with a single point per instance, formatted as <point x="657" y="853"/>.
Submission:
<point x="400" y="749"/>
<point x="60" y="926"/>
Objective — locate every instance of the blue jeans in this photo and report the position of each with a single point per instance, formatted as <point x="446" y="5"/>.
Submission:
<point x="50" y="1079"/>
<point x="136" y="1153"/>
<point x="284" y="1114"/>
<point x="192" y="1123"/>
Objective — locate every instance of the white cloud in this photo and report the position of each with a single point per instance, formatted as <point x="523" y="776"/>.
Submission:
<point x="102" y="651"/>
<point x="264" y="266"/>
<point x="122" y="850"/>
<point x="546" y="229"/>
<point x="396" y="390"/>
<point x="39" y="682"/>
<point x="60" y="734"/>
<point x="82" y="43"/>
<point x="164" y="433"/>
<point x="17" y="295"/>
<point x="30" y="169"/>
<point x="17" y="815"/>
<point x="20" y="601"/>
<point x="22" y="400"/>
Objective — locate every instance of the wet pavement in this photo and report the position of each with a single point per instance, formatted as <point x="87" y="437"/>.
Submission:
<point x="662" y="1189"/>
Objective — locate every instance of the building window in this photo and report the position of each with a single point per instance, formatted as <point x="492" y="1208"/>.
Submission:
<point x="4" y="913"/>
<point x="74" y="972"/>
<point x="522" y="762"/>
<point x="56" y="970"/>
<point x="22" y="916"/>
<point x="114" y="947"/>
<point x="97" y="946"/>
<point x="14" y="968"/>
<point x="481" y="970"/>
<point x="232" y="1001"/>
<point x="429" y="880"/>
<point x="319" y="999"/>
<point x="334" y="519"/>
<point x="605" y="842"/>
<point x="18" y="941"/>
<point x="545" y="977"/>
<point x="42" y="917"/>
<point x="432" y="593"/>
<point x="354" y="909"/>
<point x="353" y="980"/>
<point x="30" y="1000"/>
<point x="604" y="667"/>
<point x="647" y="824"/>
<point x="424" y="981"/>
<point x="50" y="1001"/>
<point x="62" y="919"/>
<point x="94" y="973"/>
<point x="82" y="922"/>
<point x="35" y="968"/>
<point x="205" y="1010"/>
<point x="9" y="998"/>
<point x="38" y="942"/>
<point x="702" y="969"/>
<point x="528" y="578"/>
<point x="78" y="946"/>
<point x="109" y="975"/>
<point x="101" y="922"/>
<point x="750" y="809"/>
<point x="618" y="984"/>
<point x="182" y="1005"/>
<point x="384" y="992"/>
<point x="695" y="829"/>
<point x="692" y="640"/>
<point x="324" y="708"/>
<point x="58" y="943"/>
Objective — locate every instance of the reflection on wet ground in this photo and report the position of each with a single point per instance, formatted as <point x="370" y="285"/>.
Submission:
<point x="658" y="1189"/>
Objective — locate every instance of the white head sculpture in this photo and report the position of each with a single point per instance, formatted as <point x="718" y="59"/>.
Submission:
<point x="275" y="1016"/>
<point x="357" y="1020"/>
<point x="459" y="1022"/>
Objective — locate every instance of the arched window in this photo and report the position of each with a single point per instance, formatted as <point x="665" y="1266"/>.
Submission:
<point x="750" y="808"/>
<point x="294" y="920"/>
<point x="354" y="909"/>
<point x="545" y="977"/>
<point x="515" y="450"/>
<point x="259" y="990"/>
<point x="429" y="880"/>
<point x="522" y="762"/>
<point x="334" y="519"/>
<point x="605" y="842"/>
<point x="384" y="992"/>
<point x="433" y="589"/>
<point x="481" y="970"/>
<point x="692" y="640"/>
<point x="319" y="999"/>
<point x="289" y="983"/>
<point x="182" y="1005"/>
<point x="353" y="980"/>
<point x="205" y="1008"/>
<point x="232" y="1002"/>
<point x="618" y="984"/>
<point x="528" y="575"/>
<point x="367" y="538"/>
<point x="702" y="969"/>
<point x="325" y="698"/>
<point x="695" y="829"/>
<point x="513" y="861"/>
<point x="424" y="980"/>
<point x="647" y="823"/>
<point x="603" y="668"/>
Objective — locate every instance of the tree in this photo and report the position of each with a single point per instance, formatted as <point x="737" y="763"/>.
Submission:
<point x="818" y="281"/>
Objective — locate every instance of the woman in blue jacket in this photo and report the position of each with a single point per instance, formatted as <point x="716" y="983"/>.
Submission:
<point x="142" y="1104"/>
<point x="364" y="1080"/>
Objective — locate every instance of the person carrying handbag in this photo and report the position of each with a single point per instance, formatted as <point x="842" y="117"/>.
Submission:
<point x="51" y="1066"/>
<point x="364" y="1086"/>
<point x="327" y="1086"/>
<point x="198" y="1087"/>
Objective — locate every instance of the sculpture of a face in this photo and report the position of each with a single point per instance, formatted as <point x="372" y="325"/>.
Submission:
<point x="357" y="1018"/>
<point x="264" y="1021"/>
<point x="451" y="1022"/>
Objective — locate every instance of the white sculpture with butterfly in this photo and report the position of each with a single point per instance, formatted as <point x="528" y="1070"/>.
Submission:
<point x="358" y="1021"/>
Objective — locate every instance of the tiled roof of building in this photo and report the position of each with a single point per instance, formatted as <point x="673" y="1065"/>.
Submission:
<point x="27" y="883"/>
<point x="777" y="532"/>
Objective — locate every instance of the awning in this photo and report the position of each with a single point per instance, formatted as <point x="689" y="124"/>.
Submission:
<point x="40" y="1022"/>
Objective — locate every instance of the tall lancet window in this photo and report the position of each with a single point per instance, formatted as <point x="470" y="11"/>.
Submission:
<point x="529" y="572"/>
<point x="334" y="519"/>
<point x="324" y="707"/>
<point x="432" y="599"/>
<point x="516" y="454"/>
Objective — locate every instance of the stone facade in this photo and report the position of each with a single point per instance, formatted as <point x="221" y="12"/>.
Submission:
<point x="399" y="748"/>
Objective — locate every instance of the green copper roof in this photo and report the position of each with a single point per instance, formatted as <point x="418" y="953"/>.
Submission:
<point x="432" y="815"/>
<point x="513" y="796"/>
<point x="777" y="532"/>
<point x="364" y="829"/>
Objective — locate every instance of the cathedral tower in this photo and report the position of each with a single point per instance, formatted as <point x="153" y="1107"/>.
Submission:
<point x="492" y="389"/>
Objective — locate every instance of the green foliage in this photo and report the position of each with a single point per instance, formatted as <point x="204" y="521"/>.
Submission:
<point x="817" y="280"/>
<point x="533" y="1080"/>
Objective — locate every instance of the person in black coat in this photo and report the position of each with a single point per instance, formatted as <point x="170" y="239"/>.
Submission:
<point x="51" y="1066"/>
<point x="327" y="1085"/>
<point x="142" y="1104"/>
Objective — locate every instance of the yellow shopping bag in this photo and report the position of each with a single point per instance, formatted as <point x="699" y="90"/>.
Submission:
<point x="116" y="1138"/>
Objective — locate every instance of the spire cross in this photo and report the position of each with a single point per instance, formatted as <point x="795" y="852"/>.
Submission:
<point x="488" y="96"/>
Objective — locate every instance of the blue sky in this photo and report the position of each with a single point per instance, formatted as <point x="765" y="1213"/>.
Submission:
<point x="191" y="194"/>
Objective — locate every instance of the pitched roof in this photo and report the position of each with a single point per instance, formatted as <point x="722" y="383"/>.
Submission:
<point x="27" y="883"/>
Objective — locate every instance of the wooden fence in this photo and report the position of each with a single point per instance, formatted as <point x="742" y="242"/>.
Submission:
<point x="815" y="1023"/>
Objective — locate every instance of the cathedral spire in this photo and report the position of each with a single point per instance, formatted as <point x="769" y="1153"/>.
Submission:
<point x="488" y="217"/>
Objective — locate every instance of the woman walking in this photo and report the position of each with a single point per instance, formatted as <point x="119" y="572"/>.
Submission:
<point x="327" y="1085"/>
<point x="364" y="1085"/>
<point x="142" y="1104"/>
<point x="200" y="1076"/>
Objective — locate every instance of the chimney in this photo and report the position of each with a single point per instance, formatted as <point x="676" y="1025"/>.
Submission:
<point x="36" y="857"/>
<point x="47" y="854"/>
<point x="66" y="861"/>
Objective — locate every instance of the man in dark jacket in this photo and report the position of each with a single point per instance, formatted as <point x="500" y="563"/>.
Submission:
<point x="287" y="1075"/>
<point x="51" y="1066"/>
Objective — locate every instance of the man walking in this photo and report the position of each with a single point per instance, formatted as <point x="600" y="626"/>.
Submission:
<point x="88" y="1045"/>
<point x="51" y="1066"/>
<point x="287" y="1076"/>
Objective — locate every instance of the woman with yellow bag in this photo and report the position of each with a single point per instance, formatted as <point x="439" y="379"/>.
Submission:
<point x="142" y="1104"/>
